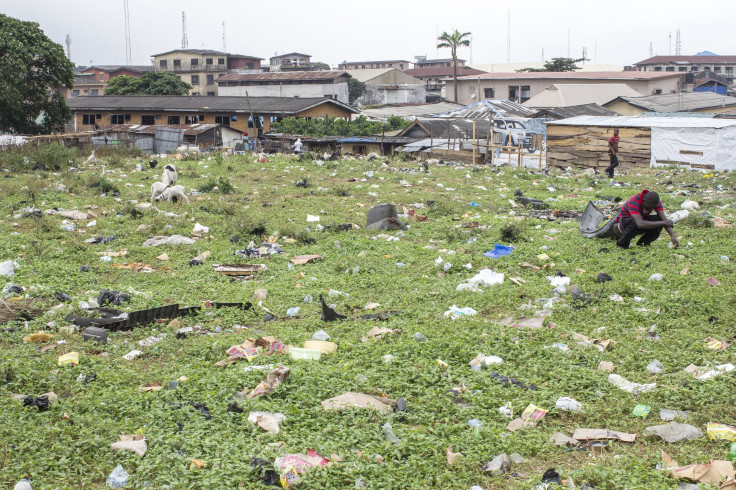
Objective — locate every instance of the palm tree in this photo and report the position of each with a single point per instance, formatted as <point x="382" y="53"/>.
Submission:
<point x="452" y="41"/>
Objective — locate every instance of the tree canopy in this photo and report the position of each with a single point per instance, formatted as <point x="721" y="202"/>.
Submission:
<point x="151" y="83"/>
<point x="557" y="64"/>
<point x="356" y="88"/>
<point x="34" y="73"/>
<point x="332" y="126"/>
<point x="452" y="41"/>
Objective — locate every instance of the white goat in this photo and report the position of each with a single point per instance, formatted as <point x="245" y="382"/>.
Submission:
<point x="173" y="194"/>
<point x="169" y="176"/>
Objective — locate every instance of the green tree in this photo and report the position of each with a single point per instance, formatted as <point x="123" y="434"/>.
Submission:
<point x="453" y="41"/>
<point x="557" y="64"/>
<point x="151" y="83"/>
<point x="356" y="88"/>
<point x="33" y="70"/>
<point x="332" y="126"/>
<point x="123" y="85"/>
<point x="319" y="66"/>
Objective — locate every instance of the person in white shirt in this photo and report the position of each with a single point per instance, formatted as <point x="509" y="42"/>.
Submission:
<point x="298" y="146"/>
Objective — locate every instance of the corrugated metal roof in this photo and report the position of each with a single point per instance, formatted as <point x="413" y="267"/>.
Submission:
<point x="289" y="54"/>
<point x="684" y="101"/>
<point x="692" y="60"/>
<point x="677" y="114"/>
<point x="367" y="75"/>
<point x="443" y="71"/>
<point x="410" y="110"/>
<point x="572" y="111"/>
<point x="284" y="75"/>
<point x="578" y="75"/>
<point x="199" y="104"/>
<point x="645" y="122"/>
<point x="189" y="129"/>
<point x="489" y="109"/>
<point x="204" y="52"/>
<point x="569" y="94"/>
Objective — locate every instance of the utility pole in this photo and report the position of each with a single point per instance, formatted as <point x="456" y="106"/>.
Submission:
<point x="184" y="40"/>
<point x="69" y="46"/>
<point x="678" y="44"/>
<point x="651" y="50"/>
<point x="585" y="54"/>
<point x="224" y="44"/>
<point x="128" y="53"/>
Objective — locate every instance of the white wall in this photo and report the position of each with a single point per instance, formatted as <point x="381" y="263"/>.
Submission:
<point x="405" y="94"/>
<point x="297" y="90"/>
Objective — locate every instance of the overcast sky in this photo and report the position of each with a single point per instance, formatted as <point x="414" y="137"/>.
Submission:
<point x="615" y="32"/>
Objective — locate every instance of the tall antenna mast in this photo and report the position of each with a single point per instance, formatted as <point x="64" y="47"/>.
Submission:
<point x="508" y="40"/>
<point x="128" y="52"/>
<point x="224" y="43"/>
<point x="678" y="44"/>
<point x="184" y="40"/>
<point x="651" y="50"/>
<point x="585" y="54"/>
<point x="69" y="46"/>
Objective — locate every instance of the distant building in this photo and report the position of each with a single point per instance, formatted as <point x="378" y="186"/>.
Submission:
<point x="720" y="65"/>
<point x="433" y="78"/>
<point x="332" y="84"/>
<point x="92" y="80"/>
<point x="387" y="86"/>
<point x="521" y="87"/>
<point x="698" y="102"/>
<point x="564" y="95"/>
<point x="368" y="65"/>
<point x="201" y="67"/>
<point x="423" y="62"/>
<point x="103" y="112"/>
<point x="290" y="62"/>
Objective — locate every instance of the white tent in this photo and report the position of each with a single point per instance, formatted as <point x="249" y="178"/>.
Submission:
<point x="694" y="141"/>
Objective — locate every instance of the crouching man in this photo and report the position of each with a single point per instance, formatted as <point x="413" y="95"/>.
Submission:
<point x="636" y="218"/>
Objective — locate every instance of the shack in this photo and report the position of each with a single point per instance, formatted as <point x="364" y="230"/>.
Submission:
<point x="697" y="143"/>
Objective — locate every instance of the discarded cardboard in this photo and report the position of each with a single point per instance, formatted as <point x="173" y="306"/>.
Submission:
<point x="239" y="269"/>
<point x="718" y="472"/>
<point x="304" y="259"/>
<point x="378" y="333"/>
<point x="601" y="435"/>
<point x="359" y="400"/>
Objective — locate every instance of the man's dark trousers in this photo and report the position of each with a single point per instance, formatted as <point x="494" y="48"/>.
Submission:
<point x="612" y="165"/>
<point x="629" y="230"/>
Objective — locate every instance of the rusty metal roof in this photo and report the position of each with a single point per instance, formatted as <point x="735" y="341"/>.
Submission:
<point x="189" y="129"/>
<point x="283" y="75"/>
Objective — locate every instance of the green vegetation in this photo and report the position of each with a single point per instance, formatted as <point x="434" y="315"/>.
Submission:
<point x="68" y="446"/>
<point x="454" y="40"/>
<point x="151" y="83"/>
<point x="31" y="66"/>
<point x="557" y="64"/>
<point x="332" y="126"/>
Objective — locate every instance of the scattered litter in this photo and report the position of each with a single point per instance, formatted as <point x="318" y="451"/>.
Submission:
<point x="274" y="379"/>
<point x="328" y="314"/>
<point x="718" y="472"/>
<point x="568" y="404"/>
<point x="667" y="415"/>
<point x="721" y="432"/>
<point x="499" y="251"/>
<point x="378" y="333"/>
<point x="359" y="400"/>
<point x="118" y="478"/>
<point x="481" y="360"/>
<point x="456" y="312"/>
<point x="560" y="439"/>
<point x="388" y="433"/>
<point x="132" y="354"/>
<point x="133" y="443"/>
<point x="674" y="432"/>
<point x="7" y="268"/>
<point x="641" y="411"/>
<point x="451" y="456"/>
<point x="705" y="373"/>
<point x="304" y="259"/>
<point x="239" y="270"/>
<point x="601" y="435"/>
<point x="267" y="421"/>
<point x="655" y="367"/>
<point x="712" y="281"/>
<point x="70" y="359"/>
<point x="498" y="465"/>
<point x="656" y="277"/>
<point x="628" y="386"/>
<point x="312" y="219"/>
<point x="168" y="240"/>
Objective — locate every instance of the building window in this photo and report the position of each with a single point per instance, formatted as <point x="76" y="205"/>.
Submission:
<point x="220" y="61"/>
<point x="102" y="77"/>
<point x="525" y="93"/>
<point x="693" y="68"/>
<point x="173" y="120"/>
<point x="729" y="69"/>
<point x="119" y="118"/>
<point x="148" y="119"/>
<point x="208" y="61"/>
<point x="488" y="93"/>
<point x="194" y="62"/>
<point x="706" y="68"/>
<point x="682" y="68"/>
<point x="75" y="93"/>
<point x="250" y="66"/>
<point x="88" y="119"/>
<point x="210" y="93"/>
<point x="162" y="63"/>
<point x="657" y="91"/>
<point x="194" y="93"/>
<point x="513" y="92"/>
<point x="177" y="64"/>
<point x="195" y="79"/>
<point x="669" y="68"/>
<point x="95" y="92"/>
<point x="657" y="68"/>
<point x="717" y="69"/>
<point x="210" y="79"/>
<point x="222" y="120"/>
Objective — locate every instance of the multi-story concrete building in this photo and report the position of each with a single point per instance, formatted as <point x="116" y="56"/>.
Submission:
<point x="721" y="65"/>
<point x="290" y="62"/>
<point x="201" y="67"/>
<point x="369" y="65"/>
<point x="332" y="84"/>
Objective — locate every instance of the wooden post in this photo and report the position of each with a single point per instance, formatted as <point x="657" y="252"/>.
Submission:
<point x="252" y="117"/>
<point x="520" y="162"/>
<point x="473" y="141"/>
<point x="448" y="135"/>
<point x="283" y="131"/>
<point x="383" y="135"/>
<point x="541" y="149"/>
<point x="493" y="142"/>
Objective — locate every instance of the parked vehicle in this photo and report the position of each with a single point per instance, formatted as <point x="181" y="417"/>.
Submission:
<point x="515" y="132"/>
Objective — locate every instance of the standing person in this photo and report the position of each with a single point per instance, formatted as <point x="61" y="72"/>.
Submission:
<point x="635" y="218"/>
<point x="298" y="146"/>
<point x="613" y="153"/>
<point x="246" y="143"/>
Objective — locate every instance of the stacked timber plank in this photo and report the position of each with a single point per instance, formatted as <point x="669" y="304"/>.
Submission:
<point x="587" y="146"/>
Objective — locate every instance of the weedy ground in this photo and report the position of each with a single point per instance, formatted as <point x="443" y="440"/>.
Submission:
<point x="68" y="446"/>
